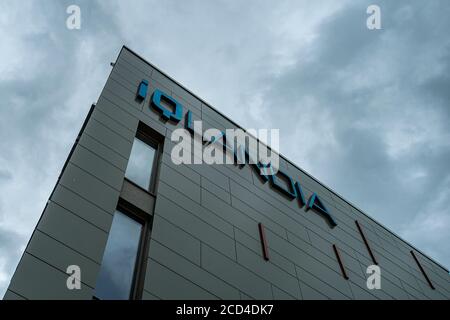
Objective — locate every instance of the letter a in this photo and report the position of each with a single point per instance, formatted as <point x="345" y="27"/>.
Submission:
<point x="74" y="280"/>
<point x="374" y="280"/>
<point x="374" y="20"/>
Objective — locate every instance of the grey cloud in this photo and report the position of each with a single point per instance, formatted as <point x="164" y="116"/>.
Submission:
<point x="5" y="174"/>
<point x="380" y="109"/>
<point x="11" y="243"/>
<point x="51" y="77"/>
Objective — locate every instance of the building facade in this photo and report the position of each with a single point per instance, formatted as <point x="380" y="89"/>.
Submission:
<point x="125" y="222"/>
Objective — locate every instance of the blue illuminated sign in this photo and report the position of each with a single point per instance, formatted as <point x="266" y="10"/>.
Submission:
<point x="158" y="97"/>
<point x="142" y="90"/>
<point x="291" y="189"/>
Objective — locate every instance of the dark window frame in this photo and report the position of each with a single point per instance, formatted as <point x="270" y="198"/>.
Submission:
<point x="156" y="141"/>
<point x="146" y="220"/>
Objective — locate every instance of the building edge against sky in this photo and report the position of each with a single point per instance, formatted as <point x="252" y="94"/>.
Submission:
<point x="200" y="231"/>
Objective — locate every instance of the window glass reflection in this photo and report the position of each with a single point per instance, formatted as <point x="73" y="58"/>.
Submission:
<point x="140" y="164"/>
<point x="115" y="279"/>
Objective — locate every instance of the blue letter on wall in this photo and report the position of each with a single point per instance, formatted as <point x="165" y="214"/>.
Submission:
<point x="175" y="115"/>
<point x="315" y="203"/>
<point x="300" y="194"/>
<point x="142" y="90"/>
<point x="290" y="191"/>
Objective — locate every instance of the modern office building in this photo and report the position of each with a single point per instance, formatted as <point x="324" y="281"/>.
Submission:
<point x="128" y="223"/>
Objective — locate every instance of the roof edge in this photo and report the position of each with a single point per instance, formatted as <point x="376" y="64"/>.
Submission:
<point x="284" y="157"/>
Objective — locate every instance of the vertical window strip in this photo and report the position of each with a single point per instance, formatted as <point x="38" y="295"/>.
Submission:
<point x="366" y="242"/>
<point x="341" y="265"/>
<point x="422" y="270"/>
<point x="116" y="278"/>
<point x="262" y="235"/>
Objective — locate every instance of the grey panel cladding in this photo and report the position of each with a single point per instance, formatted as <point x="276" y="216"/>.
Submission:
<point x="136" y="64"/>
<point x="90" y="188"/>
<point x="167" y="284"/>
<point x="182" y="266"/>
<point x="73" y="231"/>
<point x="109" y="138"/>
<point x="230" y="271"/>
<point x="277" y="259"/>
<point x="36" y="280"/>
<point x="81" y="207"/>
<point x="196" y="209"/>
<point x="10" y="295"/>
<point x="60" y="256"/>
<point x="195" y="226"/>
<point x="176" y="239"/>
<point x="98" y="167"/>
<point x="104" y="152"/>
<point x="179" y="182"/>
<point x="268" y="271"/>
<point x="205" y="242"/>
<point x="138" y="197"/>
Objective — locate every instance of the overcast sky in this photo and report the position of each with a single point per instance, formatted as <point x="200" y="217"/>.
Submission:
<point x="367" y="112"/>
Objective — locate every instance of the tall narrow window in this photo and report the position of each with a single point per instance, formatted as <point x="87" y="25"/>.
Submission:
<point x="141" y="163"/>
<point x="118" y="268"/>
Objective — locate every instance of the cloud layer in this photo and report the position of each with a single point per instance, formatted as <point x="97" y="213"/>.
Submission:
<point x="366" y="112"/>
